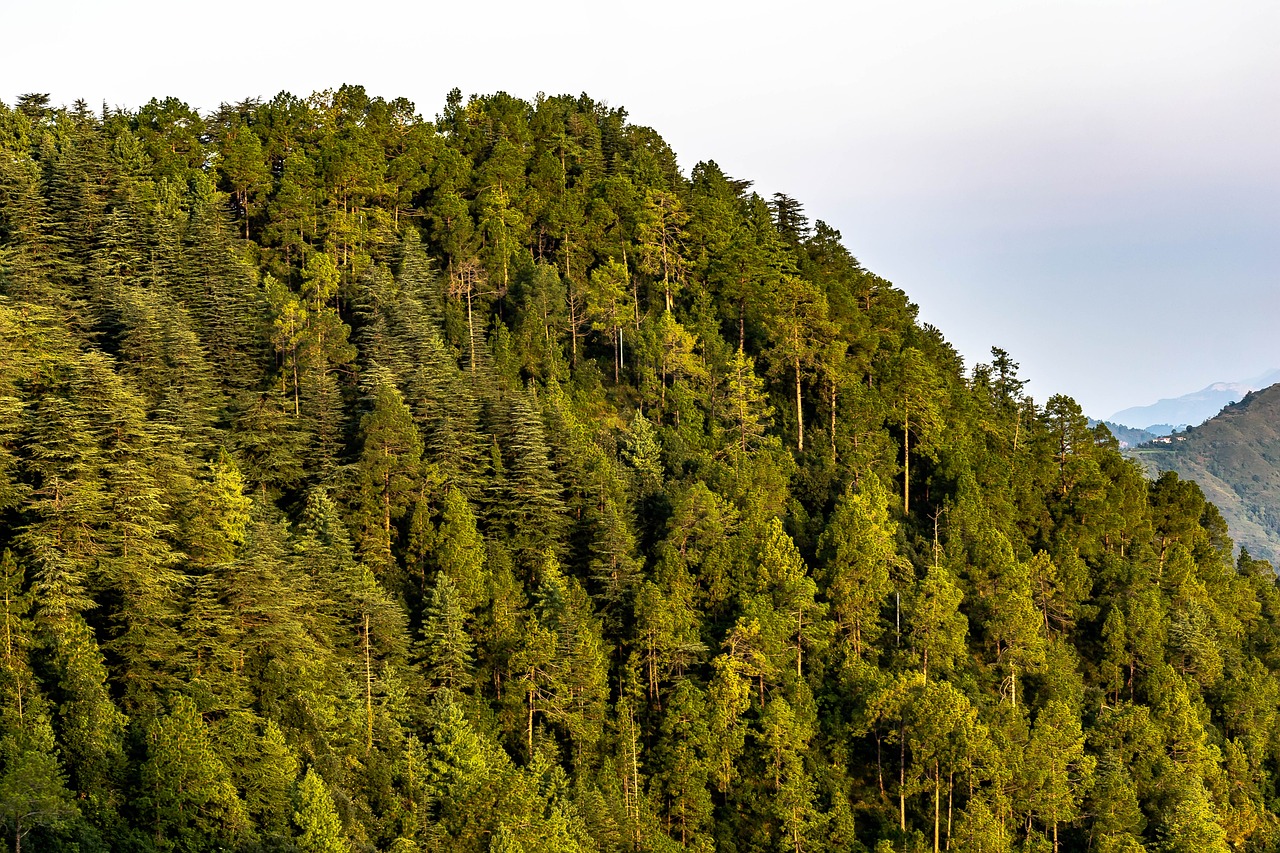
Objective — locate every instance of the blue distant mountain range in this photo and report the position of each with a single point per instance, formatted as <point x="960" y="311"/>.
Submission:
<point x="1166" y="416"/>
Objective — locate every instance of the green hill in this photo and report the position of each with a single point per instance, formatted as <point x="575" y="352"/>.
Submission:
<point x="1235" y="457"/>
<point x="491" y="484"/>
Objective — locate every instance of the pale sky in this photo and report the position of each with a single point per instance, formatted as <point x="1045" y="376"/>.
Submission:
<point x="1092" y="185"/>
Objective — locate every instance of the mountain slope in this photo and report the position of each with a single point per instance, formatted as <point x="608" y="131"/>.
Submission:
<point x="489" y="484"/>
<point x="1235" y="457"/>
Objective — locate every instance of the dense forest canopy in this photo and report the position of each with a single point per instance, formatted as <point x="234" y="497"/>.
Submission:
<point x="489" y="484"/>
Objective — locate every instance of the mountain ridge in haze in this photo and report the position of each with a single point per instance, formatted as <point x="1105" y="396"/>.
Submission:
<point x="1191" y="409"/>
<point x="1129" y="437"/>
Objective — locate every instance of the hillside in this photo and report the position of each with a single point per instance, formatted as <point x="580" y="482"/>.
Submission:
<point x="1235" y="457"/>
<point x="490" y="484"/>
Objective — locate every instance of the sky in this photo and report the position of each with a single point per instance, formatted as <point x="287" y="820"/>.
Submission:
<point x="1091" y="185"/>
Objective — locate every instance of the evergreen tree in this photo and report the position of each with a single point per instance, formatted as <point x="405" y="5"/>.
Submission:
<point x="446" y="645"/>
<point x="389" y="472"/>
<point x="862" y="562"/>
<point x="319" y="828"/>
<point x="185" y="791"/>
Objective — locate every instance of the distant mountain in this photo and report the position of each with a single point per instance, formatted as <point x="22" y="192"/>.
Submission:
<point x="1192" y="409"/>
<point x="1235" y="457"/>
<point x="1129" y="437"/>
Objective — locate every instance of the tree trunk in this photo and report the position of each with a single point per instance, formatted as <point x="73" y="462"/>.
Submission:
<point x="529" y="730"/>
<point x="951" y="784"/>
<point x="471" y="332"/>
<point x="937" y="806"/>
<point x="799" y="412"/>
<point x="742" y="324"/>
<point x="906" y="462"/>
<point x="902" y="778"/>
<point x="368" y="689"/>
<point x="573" y="330"/>
<point x="879" y="763"/>
<point x="666" y="268"/>
<point x="386" y="507"/>
<point x="799" y="638"/>
<point x="833" y="421"/>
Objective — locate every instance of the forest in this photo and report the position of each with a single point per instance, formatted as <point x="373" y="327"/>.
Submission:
<point x="490" y="484"/>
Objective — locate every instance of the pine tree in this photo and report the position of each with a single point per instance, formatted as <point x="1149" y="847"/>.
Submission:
<point x="459" y="550"/>
<point x="528" y="500"/>
<point x="185" y="790"/>
<point x="862" y="562"/>
<point x="937" y="626"/>
<point x="388" y="473"/>
<point x="1061" y="771"/>
<point x="684" y="771"/>
<point x="916" y="404"/>
<point x="446" y="645"/>
<point x="33" y="790"/>
<point x="317" y="821"/>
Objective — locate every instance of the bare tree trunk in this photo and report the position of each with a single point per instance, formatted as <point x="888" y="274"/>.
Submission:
<point x="368" y="689"/>
<point x="799" y="412"/>
<point x="902" y="778"/>
<point x="937" y="806"/>
<point x="799" y="637"/>
<point x="742" y="324"/>
<point x="471" y="332"/>
<point x="833" y="421"/>
<point x="951" y="784"/>
<point x="906" y="463"/>
<point x="879" y="763"/>
<point x="573" y="326"/>
<point x="529" y="730"/>
<point x="386" y="507"/>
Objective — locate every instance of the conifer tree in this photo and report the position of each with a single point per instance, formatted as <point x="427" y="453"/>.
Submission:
<point x="458" y="550"/>
<point x="185" y="790"/>
<point x="33" y="791"/>
<point x="389" y="472"/>
<point x="528" y="497"/>
<point x="446" y="645"/>
<point x="862" y="562"/>
<point x="319" y="828"/>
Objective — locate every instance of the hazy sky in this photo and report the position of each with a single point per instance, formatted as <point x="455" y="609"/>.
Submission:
<point x="1092" y="186"/>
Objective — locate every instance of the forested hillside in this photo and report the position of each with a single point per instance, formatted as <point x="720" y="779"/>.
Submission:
<point x="490" y="484"/>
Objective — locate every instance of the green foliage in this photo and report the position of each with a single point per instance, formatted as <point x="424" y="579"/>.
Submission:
<point x="318" y="825"/>
<point x="533" y="496"/>
<point x="185" y="790"/>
